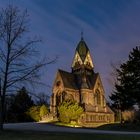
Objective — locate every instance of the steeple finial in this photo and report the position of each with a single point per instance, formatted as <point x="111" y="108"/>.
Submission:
<point x="82" y="35"/>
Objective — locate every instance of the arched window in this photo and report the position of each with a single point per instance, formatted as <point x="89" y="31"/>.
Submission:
<point x="97" y="97"/>
<point x="67" y="96"/>
<point x="58" y="83"/>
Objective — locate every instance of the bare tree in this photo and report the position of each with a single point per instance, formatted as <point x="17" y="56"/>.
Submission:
<point x="18" y="63"/>
<point x="112" y="79"/>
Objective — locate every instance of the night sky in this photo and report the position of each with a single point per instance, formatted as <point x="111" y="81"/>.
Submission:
<point x="111" y="29"/>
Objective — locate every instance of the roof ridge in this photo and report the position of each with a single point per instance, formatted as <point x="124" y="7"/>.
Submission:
<point x="60" y="70"/>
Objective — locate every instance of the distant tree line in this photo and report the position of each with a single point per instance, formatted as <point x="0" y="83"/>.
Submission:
<point x="21" y="107"/>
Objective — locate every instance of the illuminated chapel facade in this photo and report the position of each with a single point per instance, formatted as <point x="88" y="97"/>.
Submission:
<point x="84" y="86"/>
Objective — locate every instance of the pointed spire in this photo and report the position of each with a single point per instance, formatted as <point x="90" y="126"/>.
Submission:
<point x="82" y="35"/>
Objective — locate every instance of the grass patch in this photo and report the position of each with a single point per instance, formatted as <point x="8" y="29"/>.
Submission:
<point x="130" y="127"/>
<point x="120" y="127"/>
<point x="66" y="124"/>
<point x="29" y="135"/>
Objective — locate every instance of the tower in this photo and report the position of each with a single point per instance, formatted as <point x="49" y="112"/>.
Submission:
<point x="82" y="67"/>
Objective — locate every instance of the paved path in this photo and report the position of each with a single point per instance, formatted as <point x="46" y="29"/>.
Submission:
<point x="53" y="128"/>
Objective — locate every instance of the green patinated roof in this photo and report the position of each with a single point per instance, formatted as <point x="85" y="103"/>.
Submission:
<point x="82" y="49"/>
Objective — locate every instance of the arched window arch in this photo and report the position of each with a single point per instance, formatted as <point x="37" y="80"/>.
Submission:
<point x="67" y="96"/>
<point x="97" y="97"/>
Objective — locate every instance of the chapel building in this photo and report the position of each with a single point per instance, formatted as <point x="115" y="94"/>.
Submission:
<point x="84" y="86"/>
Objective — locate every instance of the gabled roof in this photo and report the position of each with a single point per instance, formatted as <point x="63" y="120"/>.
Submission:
<point x="72" y="81"/>
<point x="68" y="79"/>
<point x="91" y="80"/>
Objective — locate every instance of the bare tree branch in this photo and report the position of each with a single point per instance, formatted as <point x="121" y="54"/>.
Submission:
<point x="18" y="63"/>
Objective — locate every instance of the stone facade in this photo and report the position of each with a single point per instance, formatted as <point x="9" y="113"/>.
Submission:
<point x="84" y="86"/>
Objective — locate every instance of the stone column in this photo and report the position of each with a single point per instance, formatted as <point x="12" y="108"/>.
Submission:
<point x="102" y="100"/>
<point x="54" y="103"/>
<point x="51" y="104"/>
<point x="96" y="108"/>
<point x="95" y="99"/>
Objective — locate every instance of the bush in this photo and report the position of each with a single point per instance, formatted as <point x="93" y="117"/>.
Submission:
<point x="43" y="111"/>
<point x="69" y="111"/>
<point x="34" y="113"/>
<point x="128" y="115"/>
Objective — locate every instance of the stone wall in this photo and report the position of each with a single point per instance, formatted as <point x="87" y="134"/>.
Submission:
<point x="90" y="119"/>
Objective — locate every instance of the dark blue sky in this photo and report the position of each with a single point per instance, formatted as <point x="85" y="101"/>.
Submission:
<point x="111" y="29"/>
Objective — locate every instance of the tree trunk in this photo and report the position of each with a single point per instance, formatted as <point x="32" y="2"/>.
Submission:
<point x="2" y="107"/>
<point x="2" y="112"/>
<point x="3" y="90"/>
<point x="1" y="122"/>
